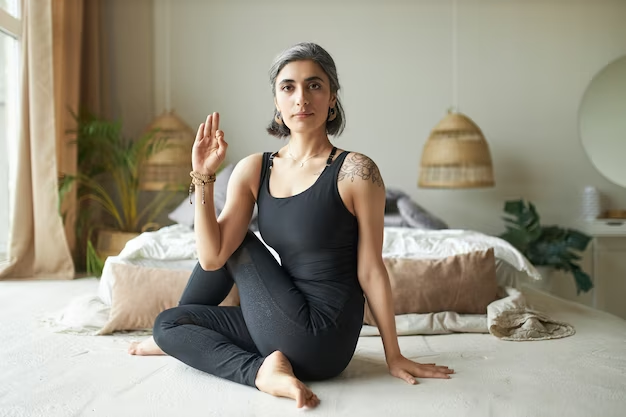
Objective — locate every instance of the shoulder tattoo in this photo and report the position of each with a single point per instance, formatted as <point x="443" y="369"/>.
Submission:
<point x="360" y="166"/>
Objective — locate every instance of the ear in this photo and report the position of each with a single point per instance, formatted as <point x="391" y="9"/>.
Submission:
<point x="276" y="105"/>
<point x="333" y="100"/>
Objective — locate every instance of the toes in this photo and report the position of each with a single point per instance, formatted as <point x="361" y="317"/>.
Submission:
<point x="300" y="399"/>
<point x="312" y="400"/>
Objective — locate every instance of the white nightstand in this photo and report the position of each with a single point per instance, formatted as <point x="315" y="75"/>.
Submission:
<point x="608" y="265"/>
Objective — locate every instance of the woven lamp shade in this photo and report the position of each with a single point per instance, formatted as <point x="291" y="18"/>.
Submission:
<point x="456" y="155"/>
<point x="171" y="166"/>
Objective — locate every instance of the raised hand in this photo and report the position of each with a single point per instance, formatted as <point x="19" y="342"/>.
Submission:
<point x="408" y="370"/>
<point x="209" y="148"/>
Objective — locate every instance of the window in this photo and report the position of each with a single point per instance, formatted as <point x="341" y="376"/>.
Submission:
<point x="12" y="7"/>
<point x="10" y="30"/>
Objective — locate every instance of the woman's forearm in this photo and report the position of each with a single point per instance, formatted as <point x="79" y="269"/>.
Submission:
<point x="378" y="293"/>
<point x="207" y="229"/>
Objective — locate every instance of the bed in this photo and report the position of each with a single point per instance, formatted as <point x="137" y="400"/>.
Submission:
<point x="46" y="372"/>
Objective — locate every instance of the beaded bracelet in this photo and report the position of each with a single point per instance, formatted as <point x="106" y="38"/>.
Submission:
<point x="199" y="179"/>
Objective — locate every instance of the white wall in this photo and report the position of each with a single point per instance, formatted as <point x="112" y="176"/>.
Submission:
<point x="523" y="68"/>
<point x="129" y="57"/>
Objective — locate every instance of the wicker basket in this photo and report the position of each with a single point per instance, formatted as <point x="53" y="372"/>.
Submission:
<point x="111" y="242"/>
<point x="456" y="155"/>
<point x="171" y="166"/>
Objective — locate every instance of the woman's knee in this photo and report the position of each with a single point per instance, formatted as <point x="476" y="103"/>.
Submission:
<point x="252" y="251"/>
<point x="242" y="253"/>
<point x="166" y="320"/>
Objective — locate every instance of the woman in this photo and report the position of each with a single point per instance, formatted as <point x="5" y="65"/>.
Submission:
<point x="322" y="210"/>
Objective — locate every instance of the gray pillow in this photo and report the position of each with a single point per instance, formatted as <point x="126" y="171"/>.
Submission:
<point x="395" y="220"/>
<point x="417" y="216"/>
<point x="219" y="189"/>
<point x="183" y="214"/>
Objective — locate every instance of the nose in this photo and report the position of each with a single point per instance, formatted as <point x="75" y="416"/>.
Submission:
<point x="301" y="97"/>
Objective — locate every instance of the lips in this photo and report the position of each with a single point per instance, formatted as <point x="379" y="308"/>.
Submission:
<point x="302" y="115"/>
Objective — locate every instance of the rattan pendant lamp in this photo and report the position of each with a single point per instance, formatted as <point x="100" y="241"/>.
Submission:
<point x="169" y="168"/>
<point x="456" y="154"/>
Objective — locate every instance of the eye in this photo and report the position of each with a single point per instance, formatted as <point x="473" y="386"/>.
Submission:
<point x="286" y="88"/>
<point x="314" y="86"/>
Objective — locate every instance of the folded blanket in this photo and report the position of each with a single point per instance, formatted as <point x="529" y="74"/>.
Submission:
<point x="509" y="318"/>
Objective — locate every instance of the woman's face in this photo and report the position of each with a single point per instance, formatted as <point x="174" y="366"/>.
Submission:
<point x="303" y="96"/>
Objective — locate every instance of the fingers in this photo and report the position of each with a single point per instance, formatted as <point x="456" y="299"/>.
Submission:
<point x="407" y="377"/>
<point x="438" y="368"/>
<point x="432" y="373"/>
<point x="443" y="369"/>
<point x="212" y="125"/>
<point x="215" y="124"/>
<point x="219" y="135"/>
<point x="425" y="371"/>
<point x="221" y="144"/>
<point x="200" y="133"/>
<point x="208" y="126"/>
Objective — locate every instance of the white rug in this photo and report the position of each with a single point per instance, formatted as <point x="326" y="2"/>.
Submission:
<point x="49" y="374"/>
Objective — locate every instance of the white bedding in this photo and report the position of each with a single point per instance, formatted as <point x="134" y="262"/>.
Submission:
<point x="49" y="374"/>
<point x="174" y="247"/>
<point x="177" y="242"/>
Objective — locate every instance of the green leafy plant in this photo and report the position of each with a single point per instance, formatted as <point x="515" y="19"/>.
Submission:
<point x="550" y="246"/>
<point x="108" y="179"/>
<point x="94" y="264"/>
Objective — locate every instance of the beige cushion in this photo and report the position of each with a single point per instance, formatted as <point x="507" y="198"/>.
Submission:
<point x="139" y="294"/>
<point x="464" y="283"/>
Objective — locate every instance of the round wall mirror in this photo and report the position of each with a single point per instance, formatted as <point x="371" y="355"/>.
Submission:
<point x="602" y="121"/>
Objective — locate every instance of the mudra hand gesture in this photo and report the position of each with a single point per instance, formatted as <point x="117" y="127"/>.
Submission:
<point x="209" y="148"/>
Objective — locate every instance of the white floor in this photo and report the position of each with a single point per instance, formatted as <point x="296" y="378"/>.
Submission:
<point x="50" y="374"/>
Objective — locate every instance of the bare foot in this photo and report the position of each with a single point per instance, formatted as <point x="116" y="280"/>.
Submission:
<point x="276" y="377"/>
<point x="145" y="348"/>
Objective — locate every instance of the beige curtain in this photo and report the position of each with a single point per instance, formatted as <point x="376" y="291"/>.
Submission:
<point x="67" y="25"/>
<point x="37" y="243"/>
<point x="78" y="81"/>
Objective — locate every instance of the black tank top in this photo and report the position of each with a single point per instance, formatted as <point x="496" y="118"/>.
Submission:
<point x="315" y="236"/>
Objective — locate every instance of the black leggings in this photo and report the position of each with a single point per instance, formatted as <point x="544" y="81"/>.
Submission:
<point x="231" y="342"/>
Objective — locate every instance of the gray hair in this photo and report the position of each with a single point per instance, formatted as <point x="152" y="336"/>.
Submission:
<point x="300" y="52"/>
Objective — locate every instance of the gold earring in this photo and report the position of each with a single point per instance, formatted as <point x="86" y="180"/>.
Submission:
<point x="278" y="119"/>
<point x="332" y="114"/>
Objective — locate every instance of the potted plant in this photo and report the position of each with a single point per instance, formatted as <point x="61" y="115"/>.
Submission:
<point x="108" y="180"/>
<point x="546" y="246"/>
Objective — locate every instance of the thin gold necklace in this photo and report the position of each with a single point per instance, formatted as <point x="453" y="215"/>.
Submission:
<point x="294" y="158"/>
